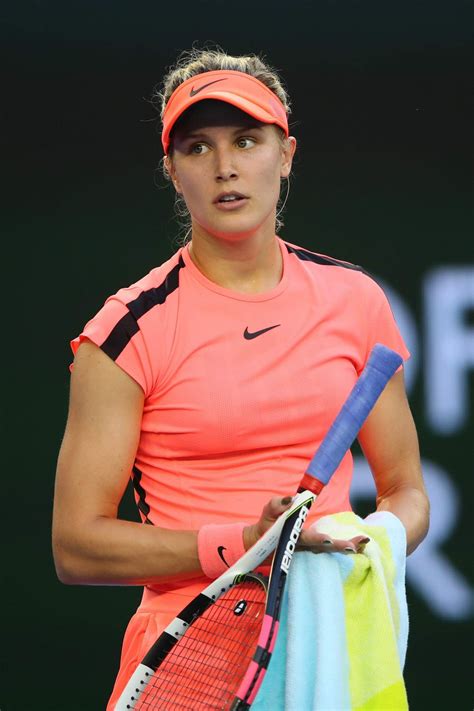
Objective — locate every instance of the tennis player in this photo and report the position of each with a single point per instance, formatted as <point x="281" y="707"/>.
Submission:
<point x="211" y="380"/>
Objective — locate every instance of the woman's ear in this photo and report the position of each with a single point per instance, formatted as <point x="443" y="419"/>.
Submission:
<point x="170" y="170"/>
<point x="288" y="151"/>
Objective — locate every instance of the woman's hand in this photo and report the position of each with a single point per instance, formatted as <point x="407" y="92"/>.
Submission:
<point x="319" y="542"/>
<point x="310" y="539"/>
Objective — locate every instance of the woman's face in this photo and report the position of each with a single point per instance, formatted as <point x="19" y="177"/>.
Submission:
<point x="228" y="167"/>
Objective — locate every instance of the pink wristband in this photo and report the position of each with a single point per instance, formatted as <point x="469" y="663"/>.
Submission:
<point x="220" y="546"/>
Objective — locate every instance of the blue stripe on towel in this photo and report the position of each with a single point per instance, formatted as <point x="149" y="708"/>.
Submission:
<point x="295" y="682"/>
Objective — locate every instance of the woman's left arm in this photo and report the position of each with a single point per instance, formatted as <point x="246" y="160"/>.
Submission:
<point x="390" y="444"/>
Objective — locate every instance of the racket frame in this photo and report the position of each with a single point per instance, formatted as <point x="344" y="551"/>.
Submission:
<point x="253" y="558"/>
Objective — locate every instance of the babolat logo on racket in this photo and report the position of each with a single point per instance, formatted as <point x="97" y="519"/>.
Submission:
<point x="240" y="608"/>
<point x="293" y="539"/>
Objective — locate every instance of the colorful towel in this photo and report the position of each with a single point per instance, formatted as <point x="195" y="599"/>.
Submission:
<point x="344" y="624"/>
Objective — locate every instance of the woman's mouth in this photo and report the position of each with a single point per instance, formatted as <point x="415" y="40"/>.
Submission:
<point x="230" y="201"/>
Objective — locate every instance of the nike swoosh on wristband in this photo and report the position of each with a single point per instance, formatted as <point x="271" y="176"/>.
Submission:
<point x="194" y="91"/>
<point x="220" y="553"/>
<point x="248" y="335"/>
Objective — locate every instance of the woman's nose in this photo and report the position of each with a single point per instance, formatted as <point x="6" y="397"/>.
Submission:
<point x="225" y="165"/>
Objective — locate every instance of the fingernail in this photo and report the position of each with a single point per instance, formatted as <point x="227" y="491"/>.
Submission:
<point x="349" y="549"/>
<point x="287" y="500"/>
<point x="327" y="542"/>
<point x="365" y="540"/>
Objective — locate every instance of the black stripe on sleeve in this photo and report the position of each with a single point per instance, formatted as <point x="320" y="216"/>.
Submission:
<point x="127" y="327"/>
<point x="142" y="505"/>
<point x="306" y="256"/>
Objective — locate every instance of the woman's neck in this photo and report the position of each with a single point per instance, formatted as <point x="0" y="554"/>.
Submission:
<point x="250" y="265"/>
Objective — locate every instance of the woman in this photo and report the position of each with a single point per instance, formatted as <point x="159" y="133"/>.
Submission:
<point x="212" y="379"/>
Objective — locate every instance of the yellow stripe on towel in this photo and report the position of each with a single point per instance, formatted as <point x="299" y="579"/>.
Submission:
<point x="392" y="699"/>
<point x="372" y="618"/>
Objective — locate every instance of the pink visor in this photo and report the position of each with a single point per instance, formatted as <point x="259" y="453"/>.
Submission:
<point x="237" y="88"/>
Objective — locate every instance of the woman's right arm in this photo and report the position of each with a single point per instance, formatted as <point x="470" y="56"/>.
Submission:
<point x="90" y="545"/>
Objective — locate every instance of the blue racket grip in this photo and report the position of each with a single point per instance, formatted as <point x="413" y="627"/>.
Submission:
<point x="380" y="367"/>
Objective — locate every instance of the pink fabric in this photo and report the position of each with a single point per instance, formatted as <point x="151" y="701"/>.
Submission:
<point x="218" y="545"/>
<point x="229" y="421"/>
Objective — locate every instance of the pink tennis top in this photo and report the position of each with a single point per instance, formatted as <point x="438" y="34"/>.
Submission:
<point x="240" y="388"/>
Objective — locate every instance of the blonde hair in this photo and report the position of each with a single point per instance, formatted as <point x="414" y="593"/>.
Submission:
<point x="196" y="61"/>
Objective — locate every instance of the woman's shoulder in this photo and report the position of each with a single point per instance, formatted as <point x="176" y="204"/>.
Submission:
<point x="307" y="255"/>
<point x="337" y="268"/>
<point x="157" y="284"/>
<point x="339" y="277"/>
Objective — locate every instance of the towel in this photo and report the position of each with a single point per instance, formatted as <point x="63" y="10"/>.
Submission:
<point x="344" y="624"/>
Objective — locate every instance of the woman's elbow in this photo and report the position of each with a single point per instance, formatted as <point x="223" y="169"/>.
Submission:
<point x="69" y="566"/>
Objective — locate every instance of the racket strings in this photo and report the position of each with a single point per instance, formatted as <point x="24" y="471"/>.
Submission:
<point x="205" y="668"/>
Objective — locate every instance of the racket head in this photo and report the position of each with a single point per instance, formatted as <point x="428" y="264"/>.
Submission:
<point x="238" y="575"/>
<point x="197" y="662"/>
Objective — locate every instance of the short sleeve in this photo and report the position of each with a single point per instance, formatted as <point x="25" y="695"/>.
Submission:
<point x="381" y="324"/>
<point x="118" y="333"/>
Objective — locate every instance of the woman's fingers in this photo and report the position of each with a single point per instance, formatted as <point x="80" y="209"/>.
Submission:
<point x="270" y="512"/>
<point x="322" y="543"/>
<point x="310" y="539"/>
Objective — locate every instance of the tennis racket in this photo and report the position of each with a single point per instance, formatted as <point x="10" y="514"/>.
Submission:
<point x="215" y="653"/>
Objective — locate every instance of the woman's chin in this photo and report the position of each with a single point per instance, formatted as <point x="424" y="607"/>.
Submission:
<point x="238" y="231"/>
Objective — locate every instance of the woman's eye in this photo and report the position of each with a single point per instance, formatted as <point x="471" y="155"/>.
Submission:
<point x="199" y="148"/>
<point x="245" y="142"/>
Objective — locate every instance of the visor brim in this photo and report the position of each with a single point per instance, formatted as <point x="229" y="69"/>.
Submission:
<point x="249" y="107"/>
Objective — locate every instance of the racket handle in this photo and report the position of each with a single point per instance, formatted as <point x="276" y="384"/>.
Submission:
<point x="380" y="367"/>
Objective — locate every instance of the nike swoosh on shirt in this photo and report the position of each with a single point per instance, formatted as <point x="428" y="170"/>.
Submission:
<point x="220" y="553"/>
<point x="249" y="335"/>
<point x="194" y="91"/>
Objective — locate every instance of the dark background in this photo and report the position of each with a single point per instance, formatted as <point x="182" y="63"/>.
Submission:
<point x="382" y="110"/>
